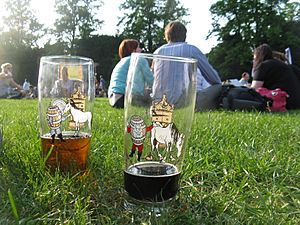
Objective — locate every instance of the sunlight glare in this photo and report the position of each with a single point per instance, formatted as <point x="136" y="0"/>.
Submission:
<point x="44" y="11"/>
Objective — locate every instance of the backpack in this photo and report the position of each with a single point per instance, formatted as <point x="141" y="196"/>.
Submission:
<point x="277" y="96"/>
<point x="242" y="98"/>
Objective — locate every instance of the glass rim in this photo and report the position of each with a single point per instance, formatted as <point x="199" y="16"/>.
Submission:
<point x="80" y="59"/>
<point x="165" y="57"/>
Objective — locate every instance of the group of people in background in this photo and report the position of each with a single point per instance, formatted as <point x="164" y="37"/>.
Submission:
<point x="268" y="71"/>
<point x="30" y="90"/>
<point x="175" y="34"/>
<point x="100" y="86"/>
<point x="64" y="86"/>
<point x="10" y="89"/>
<point x="272" y="70"/>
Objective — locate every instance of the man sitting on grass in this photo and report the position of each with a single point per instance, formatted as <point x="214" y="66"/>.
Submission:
<point x="208" y="95"/>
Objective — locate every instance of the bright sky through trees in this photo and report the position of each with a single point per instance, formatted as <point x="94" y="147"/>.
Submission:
<point x="198" y="28"/>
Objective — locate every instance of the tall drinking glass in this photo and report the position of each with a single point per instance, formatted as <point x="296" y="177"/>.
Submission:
<point x="66" y="95"/>
<point x="158" y="120"/>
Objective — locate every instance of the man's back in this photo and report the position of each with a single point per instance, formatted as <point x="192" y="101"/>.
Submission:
<point x="175" y="35"/>
<point x="183" y="49"/>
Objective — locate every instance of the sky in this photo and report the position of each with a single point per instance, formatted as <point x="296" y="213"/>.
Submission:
<point x="198" y="28"/>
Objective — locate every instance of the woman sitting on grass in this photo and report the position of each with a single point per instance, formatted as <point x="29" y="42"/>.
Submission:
<point x="8" y="87"/>
<point x="272" y="73"/>
<point x="116" y="90"/>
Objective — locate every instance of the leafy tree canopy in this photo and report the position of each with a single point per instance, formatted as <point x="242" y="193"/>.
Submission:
<point x="76" y="20"/>
<point x="145" y="20"/>
<point x="21" y="25"/>
<point x="242" y="25"/>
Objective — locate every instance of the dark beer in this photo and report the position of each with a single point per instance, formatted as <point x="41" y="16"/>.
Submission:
<point x="69" y="154"/>
<point x="152" y="181"/>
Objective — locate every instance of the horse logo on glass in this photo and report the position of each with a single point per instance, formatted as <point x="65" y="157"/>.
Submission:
<point x="164" y="133"/>
<point x="60" y="110"/>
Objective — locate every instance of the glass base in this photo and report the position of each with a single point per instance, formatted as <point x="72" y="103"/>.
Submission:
<point x="147" y="210"/>
<point x="152" y="181"/>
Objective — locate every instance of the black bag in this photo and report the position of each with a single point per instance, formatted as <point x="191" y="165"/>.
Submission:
<point x="242" y="98"/>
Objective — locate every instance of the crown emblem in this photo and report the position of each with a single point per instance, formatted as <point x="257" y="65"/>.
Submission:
<point x="162" y="111"/>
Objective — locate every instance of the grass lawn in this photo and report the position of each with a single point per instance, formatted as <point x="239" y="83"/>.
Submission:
<point x="241" y="168"/>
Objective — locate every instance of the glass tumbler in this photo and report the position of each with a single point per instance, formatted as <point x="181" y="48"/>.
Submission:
<point x="159" y="108"/>
<point x="66" y="95"/>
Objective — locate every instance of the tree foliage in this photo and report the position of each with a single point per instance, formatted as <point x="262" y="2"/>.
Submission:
<point x="103" y="49"/>
<point x="74" y="31"/>
<point x="239" y="25"/>
<point x="145" y="20"/>
<point x="77" y="20"/>
<point x="242" y="25"/>
<point x="18" y="40"/>
<point x="21" y="26"/>
<point x="25" y="61"/>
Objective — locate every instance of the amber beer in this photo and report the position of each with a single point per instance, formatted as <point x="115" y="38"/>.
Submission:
<point x="68" y="155"/>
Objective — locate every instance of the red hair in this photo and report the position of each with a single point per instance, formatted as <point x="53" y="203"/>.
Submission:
<point x="127" y="46"/>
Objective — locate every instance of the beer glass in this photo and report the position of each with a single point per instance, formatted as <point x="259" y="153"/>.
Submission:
<point x="158" y="120"/>
<point x="66" y="95"/>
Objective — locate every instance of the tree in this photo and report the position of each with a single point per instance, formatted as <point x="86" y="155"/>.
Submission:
<point x="107" y="46"/>
<point x="18" y="40"/>
<point x="25" y="61"/>
<point x="77" y="20"/>
<point x="242" y="25"/>
<point x="21" y="26"/>
<point x="228" y="57"/>
<point x="145" y="20"/>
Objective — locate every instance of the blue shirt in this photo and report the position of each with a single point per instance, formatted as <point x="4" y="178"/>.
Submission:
<point x="119" y="76"/>
<point x="183" y="49"/>
<point x="170" y="77"/>
<point x="142" y="76"/>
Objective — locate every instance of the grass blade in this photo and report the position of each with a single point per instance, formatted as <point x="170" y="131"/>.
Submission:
<point x="13" y="204"/>
<point x="48" y="154"/>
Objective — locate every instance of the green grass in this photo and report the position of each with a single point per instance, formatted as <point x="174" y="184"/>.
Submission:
<point x="241" y="168"/>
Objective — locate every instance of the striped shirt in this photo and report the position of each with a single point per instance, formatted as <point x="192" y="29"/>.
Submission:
<point x="183" y="49"/>
<point x="170" y="78"/>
